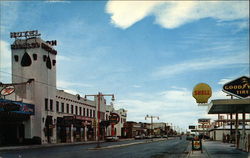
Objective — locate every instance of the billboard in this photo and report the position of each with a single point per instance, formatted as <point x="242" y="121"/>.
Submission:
<point x="239" y="87"/>
<point x="202" y="92"/>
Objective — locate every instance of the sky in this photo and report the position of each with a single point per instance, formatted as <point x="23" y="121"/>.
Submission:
<point x="150" y="54"/>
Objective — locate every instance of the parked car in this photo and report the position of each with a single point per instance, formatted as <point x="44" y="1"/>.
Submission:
<point x="189" y="137"/>
<point x="111" y="139"/>
<point x="140" y="136"/>
<point x="164" y="136"/>
<point x="149" y="137"/>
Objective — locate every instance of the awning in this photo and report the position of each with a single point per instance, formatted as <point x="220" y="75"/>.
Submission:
<point x="17" y="107"/>
<point x="227" y="106"/>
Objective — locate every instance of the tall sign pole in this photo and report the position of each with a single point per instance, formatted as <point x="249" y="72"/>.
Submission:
<point x="151" y="117"/>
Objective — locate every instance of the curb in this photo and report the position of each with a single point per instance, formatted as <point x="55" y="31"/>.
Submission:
<point x="12" y="148"/>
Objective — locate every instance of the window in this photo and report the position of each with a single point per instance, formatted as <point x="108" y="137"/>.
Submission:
<point x="35" y="56"/>
<point x="67" y="108"/>
<point x="80" y="110"/>
<point x="16" y="58"/>
<point x="51" y="104"/>
<point x="87" y="112"/>
<point x="57" y="106"/>
<point x="72" y="109"/>
<point x="46" y="104"/>
<point x="76" y="109"/>
<point x="90" y="113"/>
<point x="62" y="107"/>
<point x="26" y="60"/>
<point x="93" y="113"/>
<point x="84" y="114"/>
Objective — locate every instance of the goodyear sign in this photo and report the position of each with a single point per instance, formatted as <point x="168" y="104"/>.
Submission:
<point x="239" y="87"/>
<point x="202" y="92"/>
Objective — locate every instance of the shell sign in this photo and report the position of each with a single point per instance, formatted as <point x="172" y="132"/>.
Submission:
<point x="202" y="92"/>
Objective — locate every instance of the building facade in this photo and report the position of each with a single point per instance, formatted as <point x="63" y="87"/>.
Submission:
<point x="38" y="112"/>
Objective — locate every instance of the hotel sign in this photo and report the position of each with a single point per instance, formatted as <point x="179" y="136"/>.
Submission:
<point x="26" y="34"/>
<point x="239" y="87"/>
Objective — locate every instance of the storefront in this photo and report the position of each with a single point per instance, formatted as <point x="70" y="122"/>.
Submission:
<point x="13" y="116"/>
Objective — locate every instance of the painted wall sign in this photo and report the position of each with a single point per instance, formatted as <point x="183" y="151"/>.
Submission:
<point x="202" y="92"/>
<point x="25" y="34"/>
<point x="7" y="90"/>
<point x="25" y="45"/>
<point x="239" y="87"/>
<point x="114" y="118"/>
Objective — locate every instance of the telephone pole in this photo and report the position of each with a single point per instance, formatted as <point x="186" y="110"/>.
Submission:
<point x="151" y="117"/>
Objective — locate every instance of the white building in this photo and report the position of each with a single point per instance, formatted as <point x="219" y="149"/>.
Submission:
<point x="43" y="112"/>
<point x="119" y="127"/>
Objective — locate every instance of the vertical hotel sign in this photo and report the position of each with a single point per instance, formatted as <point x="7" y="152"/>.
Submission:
<point x="202" y="92"/>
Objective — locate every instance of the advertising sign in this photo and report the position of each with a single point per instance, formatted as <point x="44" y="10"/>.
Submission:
<point x="204" y="121"/>
<point x="196" y="143"/>
<point x="114" y="118"/>
<point x="7" y="90"/>
<point x="239" y="87"/>
<point x="191" y="127"/>
<point x="202" y="92"/>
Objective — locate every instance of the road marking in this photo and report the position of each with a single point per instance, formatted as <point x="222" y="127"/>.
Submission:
<point x="129" y="144"/>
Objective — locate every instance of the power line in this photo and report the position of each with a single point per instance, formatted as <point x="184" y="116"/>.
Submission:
<point x="49" y="85"/>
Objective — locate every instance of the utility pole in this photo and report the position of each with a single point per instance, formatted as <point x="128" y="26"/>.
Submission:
<point x="99" y="95"/>
<point x="151" y="117"/>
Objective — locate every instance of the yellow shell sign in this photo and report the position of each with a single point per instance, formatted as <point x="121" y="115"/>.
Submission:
<point x="202" y="92"/>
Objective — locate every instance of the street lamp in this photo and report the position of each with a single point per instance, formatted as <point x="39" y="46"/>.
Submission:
<point x="152" y="117"/>
<point x="99" y="95"/>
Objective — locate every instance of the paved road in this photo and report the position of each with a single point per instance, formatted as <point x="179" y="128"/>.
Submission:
<point x="157" y="149"/>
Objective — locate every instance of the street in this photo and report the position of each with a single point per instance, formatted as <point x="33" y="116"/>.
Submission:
<point x="173" y="147"/>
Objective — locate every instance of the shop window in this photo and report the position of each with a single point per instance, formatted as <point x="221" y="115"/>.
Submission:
<point x="57" y="106"/>
<point x="46" y="104"/>
<point x="67" y="108"/>
<point x="34" y="56"/>
<point x="51" y="104"/>
<point x="16" y="58"/>
<point x="62" y="107"/>
<point x="72" y="109"/>
<point x="76" y="110"/>
<point x="26" y="60"/>
<point x="80" y="110"/>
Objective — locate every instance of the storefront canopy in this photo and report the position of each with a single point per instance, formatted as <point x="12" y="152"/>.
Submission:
<point x="17" y="107"/>
<point x="227" y="106"/>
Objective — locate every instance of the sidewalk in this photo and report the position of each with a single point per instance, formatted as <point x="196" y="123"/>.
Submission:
<point x="214" y="149"/>
<point x="9" y="148"/>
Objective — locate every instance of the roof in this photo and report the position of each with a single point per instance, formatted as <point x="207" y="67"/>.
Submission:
<point x="227" y="106"/>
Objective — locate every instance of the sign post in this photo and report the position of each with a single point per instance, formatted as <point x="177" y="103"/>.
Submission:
<point x="196" y="144"/>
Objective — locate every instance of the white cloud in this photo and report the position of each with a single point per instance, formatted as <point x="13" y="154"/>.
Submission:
<point x="126" y="13"/>
<point x="223" y="81"/>
<point x="5" y="55"/>
<point x="201" y="64"/>
<point x="172" y="14"/>
<point x="66" y="84"/>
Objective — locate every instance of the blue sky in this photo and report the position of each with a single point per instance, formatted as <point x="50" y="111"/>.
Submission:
<point x="150" y="54"/>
